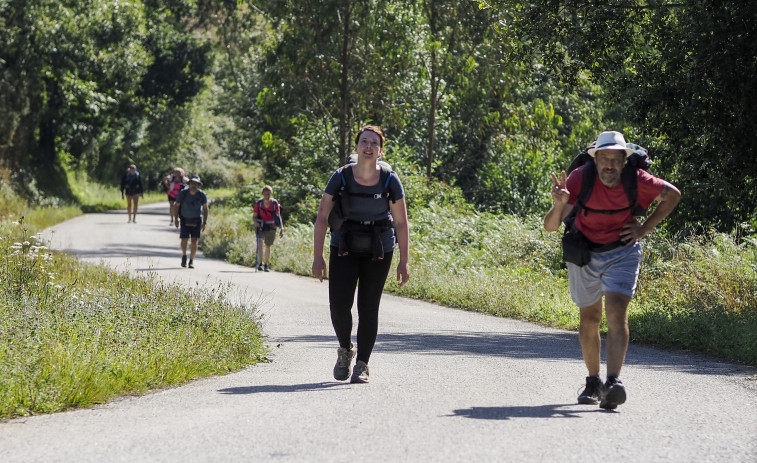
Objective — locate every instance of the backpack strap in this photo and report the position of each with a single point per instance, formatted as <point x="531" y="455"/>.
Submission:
<point x="384" y="179"/>
<point x="630" y="186"/>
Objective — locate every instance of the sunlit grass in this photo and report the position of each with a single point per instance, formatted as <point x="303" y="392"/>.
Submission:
<point x="75" y="335"/>
<point x="695" y="294"/>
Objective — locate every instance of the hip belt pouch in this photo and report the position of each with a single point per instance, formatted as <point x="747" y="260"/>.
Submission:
<point x="360" y="241"/>
<point x="191" y="223"/>
<point x="575" y="246"/>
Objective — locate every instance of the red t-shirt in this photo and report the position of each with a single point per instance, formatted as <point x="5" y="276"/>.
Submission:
<point x="266" y="213"/>
<point x="606" y="228"/>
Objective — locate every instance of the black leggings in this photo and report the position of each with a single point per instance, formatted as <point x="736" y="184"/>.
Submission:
<point x="345" y="274"/>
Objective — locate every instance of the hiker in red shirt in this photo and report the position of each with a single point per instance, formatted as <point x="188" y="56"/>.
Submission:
<point x="613" y="233"/>
<point x="267" y="217"/>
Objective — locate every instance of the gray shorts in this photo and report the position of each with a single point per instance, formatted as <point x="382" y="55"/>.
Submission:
<point x="614" y="271"/>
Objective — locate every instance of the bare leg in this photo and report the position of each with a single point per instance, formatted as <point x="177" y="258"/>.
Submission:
<point x="193" y="250"/>
<point x="128" y="208"/>
<point x="616" y="310"/>
<point x="588" y="334"/>
<point x="184" y="246"/>
<point x="267" y="255"/>
<point x="135" y="200"/>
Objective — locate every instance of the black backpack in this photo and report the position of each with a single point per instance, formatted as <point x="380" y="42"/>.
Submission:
<point x="639" y="159"/>
<point x="576" y="247"/>
<point x="341" y="210"/>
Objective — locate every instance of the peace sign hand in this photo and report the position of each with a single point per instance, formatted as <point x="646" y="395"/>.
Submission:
<point x="560" y="193"/>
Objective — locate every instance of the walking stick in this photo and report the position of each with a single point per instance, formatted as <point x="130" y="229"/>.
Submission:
<point x="257" y="243"/>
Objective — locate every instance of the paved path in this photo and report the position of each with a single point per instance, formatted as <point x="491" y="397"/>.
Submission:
<point x="446" y="385"/>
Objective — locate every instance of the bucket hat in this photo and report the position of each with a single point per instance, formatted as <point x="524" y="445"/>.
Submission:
<point x="610" y="140"/>
<point x="196" y="180"/>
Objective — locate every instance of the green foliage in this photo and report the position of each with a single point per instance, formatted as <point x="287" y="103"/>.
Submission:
<point x="74" y="335"/>
<point x="697" y="295"/>
<point x="681" y="73"/>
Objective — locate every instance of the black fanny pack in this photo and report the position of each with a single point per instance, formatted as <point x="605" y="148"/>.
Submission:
<point x="363" y="238"/>
<point x="577" y="248"/>
<point x="191" y="223"/>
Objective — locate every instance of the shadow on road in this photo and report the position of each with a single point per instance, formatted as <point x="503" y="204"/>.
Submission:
<point x="532" y="345"/>
<point x="539" y="411"/>
<point x="281" y="388"/>
<point x="129" y="251"/>
<point x="556" y="346"/>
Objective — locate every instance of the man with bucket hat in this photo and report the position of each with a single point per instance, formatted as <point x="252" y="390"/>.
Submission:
<point x="606" y="224"/>
<point x="191" y="210"/>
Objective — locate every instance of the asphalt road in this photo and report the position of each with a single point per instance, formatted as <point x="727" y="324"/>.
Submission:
<point x="446" y="385"/>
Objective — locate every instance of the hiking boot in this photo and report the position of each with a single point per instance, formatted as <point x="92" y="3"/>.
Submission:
<point x="592" y="393"/>
<point x="343" y="362"/>
<point x="265" y="267"/>
<point x="183" y="261"/>
<point x="260" y="266"/>
<point x="614" y="394"/>
<point x="360" y="373"/>
<point x="191" y="263"/>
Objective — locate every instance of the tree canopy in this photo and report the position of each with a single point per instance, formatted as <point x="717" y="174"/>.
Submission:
<point x="488" y="96"/>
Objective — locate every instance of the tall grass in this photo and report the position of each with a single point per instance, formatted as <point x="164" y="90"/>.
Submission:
<point x="698" y="294"/>
<point x="75" y="335"/>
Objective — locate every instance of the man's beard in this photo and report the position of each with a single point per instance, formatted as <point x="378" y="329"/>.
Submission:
<point x="609" y="179"/>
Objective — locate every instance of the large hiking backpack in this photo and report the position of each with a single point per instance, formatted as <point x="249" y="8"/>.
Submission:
<point x="576" y="247"/>
<point x="341" y="210"/>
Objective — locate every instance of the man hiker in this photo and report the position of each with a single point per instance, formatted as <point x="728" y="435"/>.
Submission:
<point x="191" y="210"/>
<point x="612" y="234"/>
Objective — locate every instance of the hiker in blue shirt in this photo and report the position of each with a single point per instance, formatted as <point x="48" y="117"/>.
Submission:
<point x="191" y="211"/>
<point x="131" y="187"/>
<point x="369" y="201"/>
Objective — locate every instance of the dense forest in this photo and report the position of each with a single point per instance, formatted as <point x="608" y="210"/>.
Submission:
<point x="487" y="96"/>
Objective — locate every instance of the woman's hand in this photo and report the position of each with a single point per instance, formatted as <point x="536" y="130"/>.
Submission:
<point x="403" y="273"/>
<point x="319" y="268"/>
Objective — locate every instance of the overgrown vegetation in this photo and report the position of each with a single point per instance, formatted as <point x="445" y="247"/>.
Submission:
<point x="75" y="335"/>
<point x="696" y="294"/>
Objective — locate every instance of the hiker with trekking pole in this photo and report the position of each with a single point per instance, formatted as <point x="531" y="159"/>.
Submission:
<point x="599" y="202"/>
<point x="267" y="218"/>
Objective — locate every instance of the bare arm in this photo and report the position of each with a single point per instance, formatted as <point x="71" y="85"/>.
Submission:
<point x="176" y="209"/>
<point x="319" y="235"/>
<point x="402" y="229"/>
<point x="667" y="201"/>
<point x="560" y="207"/>
<point x="204" y="215"/>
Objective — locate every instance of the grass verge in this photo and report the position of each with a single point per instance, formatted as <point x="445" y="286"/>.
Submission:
<point x="73" y="335"/>
<point x="697" y="294"/>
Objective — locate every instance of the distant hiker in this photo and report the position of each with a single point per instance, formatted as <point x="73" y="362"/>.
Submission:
<point x="191" y="209"/>
<point x="267" y="218"/>
<point x="173" y="184"/>
<point x="131" y="186"/>
<point x="372" y="219"/>
<point x="605" y="227"/>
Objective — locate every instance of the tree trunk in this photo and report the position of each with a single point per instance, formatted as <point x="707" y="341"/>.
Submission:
<point x="344" y="117"/>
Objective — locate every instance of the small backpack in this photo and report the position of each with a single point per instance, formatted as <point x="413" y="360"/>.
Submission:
<point x="276" y="207"/>
<point x="341" y="210"/>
